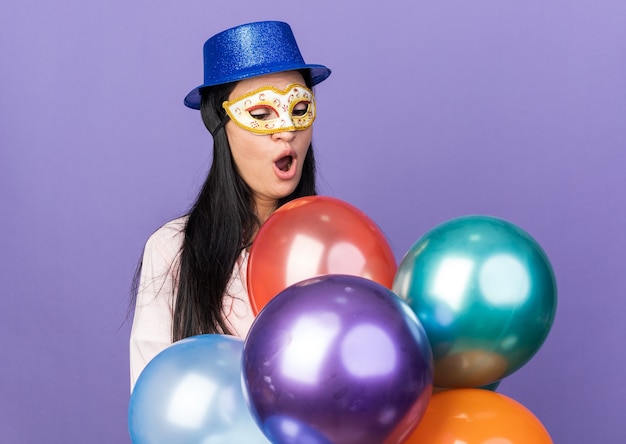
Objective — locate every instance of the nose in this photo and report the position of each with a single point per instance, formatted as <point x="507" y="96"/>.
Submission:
<point x="286" y="136"/>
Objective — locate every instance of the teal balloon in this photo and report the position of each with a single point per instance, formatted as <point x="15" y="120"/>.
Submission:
<point x="486" y="295"/>
<point x="191" y="393"/>
<point x="493" y="386"/>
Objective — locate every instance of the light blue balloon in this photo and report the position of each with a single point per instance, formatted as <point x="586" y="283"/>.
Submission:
<point x="486" y="294"/>
<point x="191" y="392"/>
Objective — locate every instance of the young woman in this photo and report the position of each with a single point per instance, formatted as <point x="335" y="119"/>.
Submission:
<point x="257" y="104"/>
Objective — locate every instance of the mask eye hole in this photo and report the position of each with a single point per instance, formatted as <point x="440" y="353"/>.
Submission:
<point x="301" y="108"/>
<point x="262" y="112"/>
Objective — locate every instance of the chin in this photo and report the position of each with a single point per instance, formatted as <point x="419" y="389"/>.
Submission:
<point x="286" y="191"/>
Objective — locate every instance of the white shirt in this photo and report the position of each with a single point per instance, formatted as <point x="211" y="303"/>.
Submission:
<point x="151" y="332"/>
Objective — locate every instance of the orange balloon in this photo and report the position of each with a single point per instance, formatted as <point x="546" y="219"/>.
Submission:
<point x="476" y="416"/>
<point x="315" y="236"/>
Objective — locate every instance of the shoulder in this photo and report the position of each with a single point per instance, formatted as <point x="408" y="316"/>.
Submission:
<point x="172" y="230"/>
<point x="168" y="238"/>
<point x="159" y="264"/>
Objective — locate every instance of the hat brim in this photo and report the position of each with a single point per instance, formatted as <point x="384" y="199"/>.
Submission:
<point x="319" y="73"/>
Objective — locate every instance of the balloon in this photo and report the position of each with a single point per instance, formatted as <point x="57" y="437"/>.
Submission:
<point x="475" y="416"/>
<point x="191" y="393"/>
<point x="493" y="387"/>
<point x="485" y="293"/>
<point x="337" y="359"/>
<point x="314" y="236"/>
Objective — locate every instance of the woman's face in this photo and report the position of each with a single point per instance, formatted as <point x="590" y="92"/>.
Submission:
<point x="270" y="164"/>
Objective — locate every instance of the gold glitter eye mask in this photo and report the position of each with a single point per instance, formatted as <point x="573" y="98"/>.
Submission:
<point x="269" y="110"/>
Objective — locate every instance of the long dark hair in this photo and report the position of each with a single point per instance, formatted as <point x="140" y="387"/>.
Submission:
<point x="220" y="224"/>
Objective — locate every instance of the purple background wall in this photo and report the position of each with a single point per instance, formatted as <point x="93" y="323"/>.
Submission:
<point x="435" y="110"/>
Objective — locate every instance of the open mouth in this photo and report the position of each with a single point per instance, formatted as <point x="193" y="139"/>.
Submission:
<point x="284" y="163"/>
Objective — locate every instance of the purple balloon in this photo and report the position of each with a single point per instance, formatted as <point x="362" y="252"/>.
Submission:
<point x="337" y="359"/>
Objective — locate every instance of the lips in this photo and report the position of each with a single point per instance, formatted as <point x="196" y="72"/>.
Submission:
<point x="284" y="163"/>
